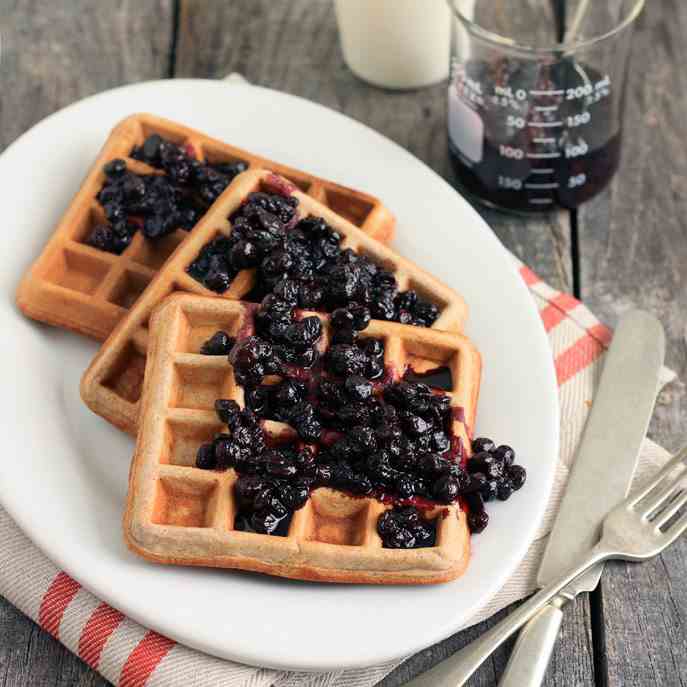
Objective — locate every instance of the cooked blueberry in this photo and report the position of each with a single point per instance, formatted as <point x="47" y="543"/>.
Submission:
<point x="378" y="466"/>
<point x="310" y="296"/>
<point x="354" y="414"/>
<point x="361" y="316"/>
<point x="404" y="528"/>
<point x="305" y="422"/>
<point x="374" y="348"/>
<point x="345" y="360"/>
<point x="304" y="459"/>
<point x="487" y="464"/>
<point x="133" y="188"/>
<point x="405" y="487"/>
<point x="265" y="521"/>
<point x="288" y="290"/>
<point x="150" y="150"/>
<point x="115" y="168"/>
<point x="285" y="396"/>
<point x="483" y="444"/>
<point x="374" y="369"/>
<point x="103" y="237"/>
<point x="231" y="169"/>
<point x="477" y="522"/>
<point x="227" y="452"/>
<point x="220" y="343"/>
<point x="246" y="487"/>
<point x="440" y="441"/>
<point x="505" y="454"/>
<point x="304" y="333"/>
<point x="359" y="485"/>
<point x="432" y="464"/>
<point x="217" y="278"/>
<point x="294" y="496"/>
<point x="425" y="314"/>
<point x="414" y="424"/>
<point x="205" y="458"/>
<point x="342" y="318"/>
<point x="227" y="411"/>
<point x="445" y="489"/>
<point x="504" y="490"/>
<point x="344" y="336"/>
<point x="517" y="475"/>
<point x="284" y="207"/>
<point x="358" y="388"/>
<point x="278" y="464"/>
<point x="489" y="489"/>
<point x="362" y="439"/>
<point x="425" y="535"/>
<point x="257" y="399"/>
<point x="244" y="254"/>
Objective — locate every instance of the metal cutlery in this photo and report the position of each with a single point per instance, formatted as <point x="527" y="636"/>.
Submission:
<point x="637" y="529"/>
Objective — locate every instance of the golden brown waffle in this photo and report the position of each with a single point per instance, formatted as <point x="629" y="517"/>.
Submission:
<point x="111" y="386"/>
<point x="78" y="287"/>
<point x="177" y="513"/>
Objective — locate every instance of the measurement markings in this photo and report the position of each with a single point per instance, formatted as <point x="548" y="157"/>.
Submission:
<point x="543" y="170"/>
<point x="545" y="108"/>
<point x="544" y="140"/>
<point x="546" y="125"/>
<point x="558" y="92"/>
<point x="541" y="186"/>
<point x="543" y="156"/>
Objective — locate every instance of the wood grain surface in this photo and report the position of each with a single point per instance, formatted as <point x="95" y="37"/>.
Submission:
<point x="633" y="253"/>
<point x="624" y="249"/>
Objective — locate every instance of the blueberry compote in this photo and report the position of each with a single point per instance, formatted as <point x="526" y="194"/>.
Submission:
<point x="302" y="264"/>
<point x="157" y="204"/>
<point x="357" y="430"/>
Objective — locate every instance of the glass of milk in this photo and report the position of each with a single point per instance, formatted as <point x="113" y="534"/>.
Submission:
<point x="399" y="44"/>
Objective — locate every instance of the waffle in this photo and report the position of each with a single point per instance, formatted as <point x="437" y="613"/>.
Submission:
<point x="112" y="385"/>
<point x="179" y="514"/>
<point x="81" y="288"/>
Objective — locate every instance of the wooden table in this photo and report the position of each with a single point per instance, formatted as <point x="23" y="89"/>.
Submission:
<point x="626" y="248"/>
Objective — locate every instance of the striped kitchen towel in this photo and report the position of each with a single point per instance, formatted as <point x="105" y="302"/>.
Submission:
<point x="130" y="655"/>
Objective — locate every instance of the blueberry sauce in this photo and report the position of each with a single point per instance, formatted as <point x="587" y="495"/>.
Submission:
<point x="392" y="441"/>
<point x="157" y="204"/>
<point x="301" y="264"/>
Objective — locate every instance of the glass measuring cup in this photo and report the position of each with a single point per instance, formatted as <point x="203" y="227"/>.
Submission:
<point x="536" y="98"/>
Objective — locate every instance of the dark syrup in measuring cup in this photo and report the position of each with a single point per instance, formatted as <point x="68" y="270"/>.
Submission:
<point x="530" y="136"/>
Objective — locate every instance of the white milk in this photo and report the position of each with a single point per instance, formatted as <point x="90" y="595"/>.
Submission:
<point x="396" y="43"/>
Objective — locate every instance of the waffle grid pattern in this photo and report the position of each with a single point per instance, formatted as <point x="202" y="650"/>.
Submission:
<point x="81" y="288"/>
<point x="112" y="385"/>
<point x="177" y="513"/>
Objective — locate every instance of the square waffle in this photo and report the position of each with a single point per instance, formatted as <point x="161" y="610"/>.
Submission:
<point x="81" y="288"/>
<point x="112" y="385"/>
<point x="179" y="514"/>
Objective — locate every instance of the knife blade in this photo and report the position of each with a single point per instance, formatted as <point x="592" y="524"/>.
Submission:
<point x="600" y="478"/>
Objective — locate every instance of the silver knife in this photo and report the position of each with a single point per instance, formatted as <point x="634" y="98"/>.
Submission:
<point x="601" y="476"/>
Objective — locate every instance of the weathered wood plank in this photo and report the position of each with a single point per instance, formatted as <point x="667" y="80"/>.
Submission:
<point x="294" y="47"/>
<point x="55" y="53"/>
<point x="30" y="656"/>
<point x="633" y="254"/>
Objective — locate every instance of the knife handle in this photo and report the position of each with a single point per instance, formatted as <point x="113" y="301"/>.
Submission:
<point x="532" y="652"/>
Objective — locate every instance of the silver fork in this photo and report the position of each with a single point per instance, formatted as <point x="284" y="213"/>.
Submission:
<point x="638" y="528"/>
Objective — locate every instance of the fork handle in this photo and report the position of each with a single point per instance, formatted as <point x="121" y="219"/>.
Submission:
<point x="532" y="652"/>
<point x="455" y="670"/>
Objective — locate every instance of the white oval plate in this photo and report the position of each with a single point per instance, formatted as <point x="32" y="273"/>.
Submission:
<point x="64" y="473"/>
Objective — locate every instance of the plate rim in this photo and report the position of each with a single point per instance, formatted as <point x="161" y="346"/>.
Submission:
<point x="22" y="516"/>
